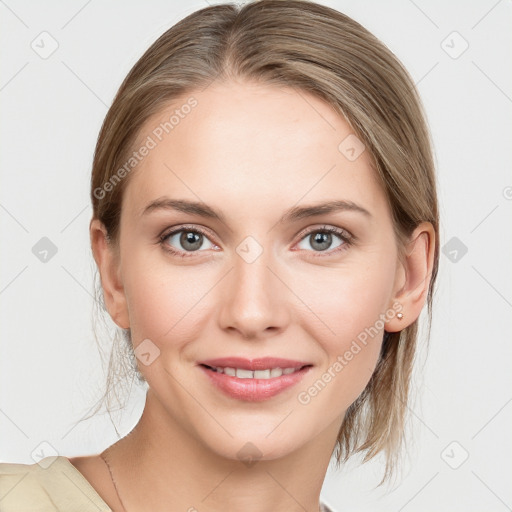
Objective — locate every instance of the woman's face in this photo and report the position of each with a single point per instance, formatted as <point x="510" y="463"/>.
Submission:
<point x="254" y="267"/>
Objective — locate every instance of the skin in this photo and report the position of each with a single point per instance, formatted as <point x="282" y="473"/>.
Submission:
<point x="252" y="152"/>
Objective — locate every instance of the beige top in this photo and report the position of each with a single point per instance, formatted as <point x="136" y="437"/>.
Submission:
<point x="51" y="485"/>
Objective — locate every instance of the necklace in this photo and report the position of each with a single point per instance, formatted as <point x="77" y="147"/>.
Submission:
<point x="102" y="455"/>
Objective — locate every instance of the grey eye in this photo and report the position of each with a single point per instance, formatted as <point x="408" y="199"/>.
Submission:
<point x="321" y="240"/>
<point x="188" y="240"/>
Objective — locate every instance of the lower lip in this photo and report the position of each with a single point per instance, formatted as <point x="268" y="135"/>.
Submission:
<point x="253" y="390"/>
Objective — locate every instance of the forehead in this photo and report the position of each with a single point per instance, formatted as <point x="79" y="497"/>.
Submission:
<point x="239" y="143"/>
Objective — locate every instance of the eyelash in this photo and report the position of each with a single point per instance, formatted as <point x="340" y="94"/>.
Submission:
<point x="345" y="236"/>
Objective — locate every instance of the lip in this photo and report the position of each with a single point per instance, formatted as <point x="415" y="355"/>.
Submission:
<point x="254" y="390"/>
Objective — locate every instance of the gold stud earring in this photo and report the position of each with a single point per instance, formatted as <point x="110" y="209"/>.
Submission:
<point x="400" y="316"/>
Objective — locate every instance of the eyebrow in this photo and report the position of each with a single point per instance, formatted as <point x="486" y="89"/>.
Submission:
<point x="293" y="214"/>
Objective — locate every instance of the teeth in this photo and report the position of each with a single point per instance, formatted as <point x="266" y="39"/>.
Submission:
<point x="244" y="374"/>
<point x="269" y="373"/>
<point x="262" y="374"/>
<point x="276" y="372"/>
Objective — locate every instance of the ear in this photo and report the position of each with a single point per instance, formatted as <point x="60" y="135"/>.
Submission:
<point x="107" y="259"/>
<point x="413" y="277"/>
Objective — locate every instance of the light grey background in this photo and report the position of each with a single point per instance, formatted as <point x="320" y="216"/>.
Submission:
<point x="52" y="109"/>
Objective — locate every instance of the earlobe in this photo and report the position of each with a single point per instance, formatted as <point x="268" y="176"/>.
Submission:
<point x="415" y="277"/>
<point x="107" y="261"/>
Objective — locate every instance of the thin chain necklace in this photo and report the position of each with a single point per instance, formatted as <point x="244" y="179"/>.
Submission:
<point x="102" y="455"/>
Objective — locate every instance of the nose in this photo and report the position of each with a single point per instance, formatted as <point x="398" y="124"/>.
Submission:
<point x="254" y="300"/>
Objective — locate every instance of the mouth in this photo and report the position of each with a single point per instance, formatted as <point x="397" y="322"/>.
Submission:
<point x="242" y="373"/>
<point x="254" y="380"/>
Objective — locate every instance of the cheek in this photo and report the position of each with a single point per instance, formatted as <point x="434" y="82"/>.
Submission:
<point x="166" y="302"/>
<point x="346" y="299"/>
<point x="346" y="318"/>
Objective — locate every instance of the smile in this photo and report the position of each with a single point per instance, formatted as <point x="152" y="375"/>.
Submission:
<point x="241" y="373"/>
<point x="253" y="380"/>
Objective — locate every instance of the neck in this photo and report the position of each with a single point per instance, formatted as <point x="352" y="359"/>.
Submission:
<point x="159" y="463"/>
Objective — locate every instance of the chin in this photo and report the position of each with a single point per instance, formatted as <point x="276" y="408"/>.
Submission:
<point x="257" y="445"/>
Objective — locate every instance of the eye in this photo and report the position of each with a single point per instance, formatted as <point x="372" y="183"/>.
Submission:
<point x="325" y="238"/>
<point x="185" y="240"/>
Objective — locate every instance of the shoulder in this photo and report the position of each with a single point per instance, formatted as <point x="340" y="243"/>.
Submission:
<point x="50" y="485"/>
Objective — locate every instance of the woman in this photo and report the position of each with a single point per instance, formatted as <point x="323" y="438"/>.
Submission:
<point x="265" y="226"/>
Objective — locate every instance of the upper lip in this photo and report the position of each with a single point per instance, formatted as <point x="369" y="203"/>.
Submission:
<point x="260" y="363"/>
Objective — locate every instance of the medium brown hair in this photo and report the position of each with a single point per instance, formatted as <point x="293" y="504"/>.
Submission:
<point x="312" y="48"/>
